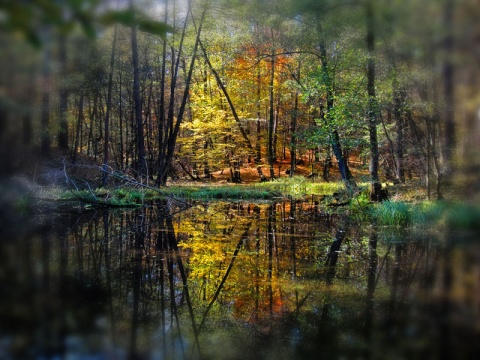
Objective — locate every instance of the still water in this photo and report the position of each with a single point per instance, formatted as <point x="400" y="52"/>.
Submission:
<point x="235" y="281"/>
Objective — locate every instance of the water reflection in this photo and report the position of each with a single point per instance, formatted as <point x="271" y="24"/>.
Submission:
<point x="235" y="280"/>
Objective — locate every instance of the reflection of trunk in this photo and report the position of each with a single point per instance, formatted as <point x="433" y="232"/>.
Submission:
<point x="257" y="274"/>
<point x="137" y="282"/>
<point x="445" y="304"/>
<point x="332" y="256"/>
<point x="62" y="272"/>
<point x="392" y="314"/>
<point x="271" y="241"/>
<point x="172" y="242"/>
<point x="108" y="271"/>
<point x="371" y="284"/>
<point x="292" y="238"/>
<point x="225" y="276"/>
<point x="46" y="312"/>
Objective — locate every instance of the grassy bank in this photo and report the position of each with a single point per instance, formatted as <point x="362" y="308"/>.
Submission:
<point x="403" y="211"/>
<point x="451" y="215"/>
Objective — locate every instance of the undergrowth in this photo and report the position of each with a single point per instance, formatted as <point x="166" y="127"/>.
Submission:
<point x="457" y="216"/>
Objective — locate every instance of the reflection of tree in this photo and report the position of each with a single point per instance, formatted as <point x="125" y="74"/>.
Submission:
<point x="135" y="281"/>
<point x="371" y="285"/>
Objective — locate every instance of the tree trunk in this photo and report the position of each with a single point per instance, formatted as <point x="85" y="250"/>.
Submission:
<point x="63" y="96"/>
<point x="258" y="147"/>
<point x="293" y="141"/>
<point x="175" y="127"/>
<point x="376" y="186"/>
<point x="80" y="120"/>
<point x="45" y="112"/>
<point x="448" y="83"/>
<point x="161" y="110"/>
<point x="109" y="109"/>
<point x="334" y="136"/>
<point x="141" y="165"/>
<point x="271" y="119"/>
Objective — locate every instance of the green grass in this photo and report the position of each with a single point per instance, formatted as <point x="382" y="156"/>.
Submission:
<point x="220" y="192"/>
<point x="395" y="213"/>
<point x="456" y="216"/>
<point x="297" y="187"/>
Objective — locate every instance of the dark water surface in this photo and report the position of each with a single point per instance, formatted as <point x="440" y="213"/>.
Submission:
<point x="235" y="281"/>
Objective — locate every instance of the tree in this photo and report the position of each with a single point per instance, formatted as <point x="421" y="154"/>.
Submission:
<point x="141" y="165"/>
<point x="172" y="127"/>
<point x="376" y="186"/>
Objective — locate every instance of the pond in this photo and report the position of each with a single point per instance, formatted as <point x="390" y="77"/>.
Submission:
<point x="217" y="280"/>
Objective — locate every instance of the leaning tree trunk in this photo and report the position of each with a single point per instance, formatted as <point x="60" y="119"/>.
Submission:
<point x="175" y="128"/>
<point x="345" y="173"/>
<point x="254" y="153"/>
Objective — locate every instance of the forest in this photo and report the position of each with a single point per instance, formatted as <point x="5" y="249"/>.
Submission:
<point x="225" y="179"/>
<point x="168" y="90"/>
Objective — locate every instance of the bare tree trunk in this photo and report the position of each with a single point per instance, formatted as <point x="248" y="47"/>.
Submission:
<point x="258" y="146"/>
<point x="399" y="98"/>
<point x="271" y="118"/>
<point x="80" y="120"/>
<point x="448" y="83"/>
<point x="109" y="109"/>
<point x="141" y="166"/>
<point x="175" y="127"/>
<point x="45" y="112"/>
<point x="63" y="96"/>
<point x="161" y="110"/>
<point x="293" y="141"/>
<point x="376" y="186"/>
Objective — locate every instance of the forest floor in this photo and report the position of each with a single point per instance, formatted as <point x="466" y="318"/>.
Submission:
<point x="58" y="171"/>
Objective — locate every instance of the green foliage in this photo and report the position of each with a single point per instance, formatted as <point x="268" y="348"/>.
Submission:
<point x="396" y="213"/>
<point x="134" y="17"/>
<point x="222" y="192"/>
<point x="122" y="197"/>
<point x="29" y="18"/>
<point x="360" y="206"/>
<point x="455" y="216"/>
